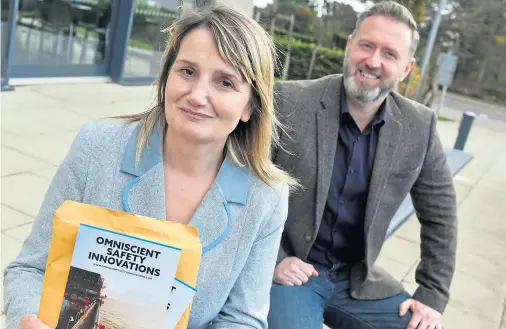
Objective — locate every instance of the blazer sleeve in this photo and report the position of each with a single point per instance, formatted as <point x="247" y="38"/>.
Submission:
<point x="248" y="303"/>
<point x="434" y="200"/>
<point x="23" y="278"/>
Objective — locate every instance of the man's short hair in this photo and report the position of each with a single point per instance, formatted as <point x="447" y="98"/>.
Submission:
<point x="396" y="11"/>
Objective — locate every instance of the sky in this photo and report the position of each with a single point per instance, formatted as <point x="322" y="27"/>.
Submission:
<point x="356" y="4"/>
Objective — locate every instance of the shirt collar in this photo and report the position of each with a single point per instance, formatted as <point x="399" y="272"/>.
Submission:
<point x="232" y="178"/>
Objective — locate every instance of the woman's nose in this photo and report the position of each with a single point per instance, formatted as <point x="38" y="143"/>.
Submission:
<point x="198" y="95"/>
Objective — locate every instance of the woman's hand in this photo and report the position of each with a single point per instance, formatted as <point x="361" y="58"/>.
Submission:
<point x="31" y="321"/>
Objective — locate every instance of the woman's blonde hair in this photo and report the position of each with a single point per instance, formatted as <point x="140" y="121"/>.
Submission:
<point x="250" y="49"/>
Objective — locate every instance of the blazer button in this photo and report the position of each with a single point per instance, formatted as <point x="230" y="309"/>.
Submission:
<point x="308" y="238"/>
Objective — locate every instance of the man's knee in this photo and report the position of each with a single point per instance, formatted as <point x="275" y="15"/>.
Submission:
<point x="295" y="307"/>
<point x="341" y="319"/>
<point x="363" y="314"/>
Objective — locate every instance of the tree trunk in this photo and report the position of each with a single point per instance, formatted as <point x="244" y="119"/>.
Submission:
<point x="481" y="75"/>
<point x="323" y="32"/>
<point x="273" y="17"/>
<point x="286" y="66"/>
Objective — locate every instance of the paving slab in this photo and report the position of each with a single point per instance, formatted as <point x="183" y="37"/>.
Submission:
<point x="401" y="250"/>
<point x="12" y="218"/>
<point x="15" y="162"/>
<point x="458" y="318"/>
<point x="38" y="118"/>
<point x="51" y="148"/>
<point x="46" y="173"/>
<point x="24" y="193"/>
<point x="397" y="269"/>
<point x="19" y="233"/>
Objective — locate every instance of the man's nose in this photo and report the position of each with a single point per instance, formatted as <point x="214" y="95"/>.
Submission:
<point x="374" y="61"/>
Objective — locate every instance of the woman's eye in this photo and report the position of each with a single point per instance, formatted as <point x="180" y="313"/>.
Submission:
<point x="187" y="71"/>
<point x="226" y="83"/>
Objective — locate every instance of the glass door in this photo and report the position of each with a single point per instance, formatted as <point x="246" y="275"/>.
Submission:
<point x="5" y="30"/>
<point x="62" y="38"/>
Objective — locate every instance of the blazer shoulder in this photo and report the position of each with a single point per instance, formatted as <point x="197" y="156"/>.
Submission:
<point x="101" y="131"/>
<point x="100" y="142"/>
<point x="104" y="135"/>
<point x="295" y="96"/>
<point x="413" y="108"/>
<point x="266" y="198"/>
<point x="297" y="89"/>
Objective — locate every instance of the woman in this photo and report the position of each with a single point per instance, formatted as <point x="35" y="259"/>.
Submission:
<point x="200" y="157"/>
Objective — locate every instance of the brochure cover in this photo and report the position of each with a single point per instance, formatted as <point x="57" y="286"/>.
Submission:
<point x="181" y="296"/>
<point x="117" y="281"/>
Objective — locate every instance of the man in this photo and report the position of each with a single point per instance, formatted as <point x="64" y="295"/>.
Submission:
<point x="358" y="148"/>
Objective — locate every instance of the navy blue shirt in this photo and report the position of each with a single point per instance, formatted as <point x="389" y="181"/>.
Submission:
<point x="341" y="235"/>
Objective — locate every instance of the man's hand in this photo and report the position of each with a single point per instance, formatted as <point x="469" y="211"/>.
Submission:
<point x="293" y="271"/>
<point x="31" y="321"/>
<point x="423" y="317"/>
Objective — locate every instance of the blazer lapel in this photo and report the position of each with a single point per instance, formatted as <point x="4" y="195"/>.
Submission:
<point x="214" y="217"/>
<point x="389" y="139"/>
<point x="327" y="121"/>
<point x="145" y="193"/>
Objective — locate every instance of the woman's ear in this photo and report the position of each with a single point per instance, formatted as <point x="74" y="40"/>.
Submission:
<point x="248" y="109"/>
<point x="246" y="114"/>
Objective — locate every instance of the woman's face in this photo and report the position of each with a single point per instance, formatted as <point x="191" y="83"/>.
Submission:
<point x="205" y="96"/>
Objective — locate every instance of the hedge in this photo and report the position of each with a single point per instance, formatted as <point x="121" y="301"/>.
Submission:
<point x="328" y="61"/>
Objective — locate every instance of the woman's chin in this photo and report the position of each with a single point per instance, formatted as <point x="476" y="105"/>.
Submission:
<point x="191" y="132"/>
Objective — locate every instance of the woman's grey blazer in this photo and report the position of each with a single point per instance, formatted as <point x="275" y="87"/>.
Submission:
<point x="239" y="221"/>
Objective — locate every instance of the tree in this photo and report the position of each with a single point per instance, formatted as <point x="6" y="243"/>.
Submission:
<point x="478" y="29"/>
<point x="419" y="8"/>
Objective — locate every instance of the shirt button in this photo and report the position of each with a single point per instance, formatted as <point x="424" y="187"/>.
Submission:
<point x="352" y="171"/>
<point x="341" y="202"/>
<point x="308" y="238"/>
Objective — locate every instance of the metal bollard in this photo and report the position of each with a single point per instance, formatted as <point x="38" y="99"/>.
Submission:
<point x="464" y="128"/>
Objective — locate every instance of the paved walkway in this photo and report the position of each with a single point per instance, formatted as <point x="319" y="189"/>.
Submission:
<point x="40" y="122"/>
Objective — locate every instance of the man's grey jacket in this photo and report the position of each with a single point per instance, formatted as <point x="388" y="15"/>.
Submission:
<point x="409" y="159"/>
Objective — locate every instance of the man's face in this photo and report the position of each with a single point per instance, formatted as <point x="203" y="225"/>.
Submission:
<point x="377" y="58"/>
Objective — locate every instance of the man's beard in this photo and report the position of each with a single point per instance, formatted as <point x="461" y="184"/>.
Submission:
<point x="362" y="93"/>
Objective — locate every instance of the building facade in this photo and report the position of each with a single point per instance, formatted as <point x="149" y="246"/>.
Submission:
<point x="71" y="40"/>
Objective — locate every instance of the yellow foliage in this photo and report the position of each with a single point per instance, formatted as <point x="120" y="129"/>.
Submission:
<point x="500" y="39"/>
<point x="303" y="11"/>
<point x="414" y="82"/>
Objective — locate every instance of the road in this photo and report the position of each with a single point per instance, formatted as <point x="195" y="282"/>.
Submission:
<point x="460" y="103"/>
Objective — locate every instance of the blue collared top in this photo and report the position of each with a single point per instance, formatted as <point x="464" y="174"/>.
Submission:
<point x="232" y="180"/>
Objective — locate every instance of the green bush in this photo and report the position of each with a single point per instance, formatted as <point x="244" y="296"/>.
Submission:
<point x="328" y="61"/>
<point x="279" y="32"/>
